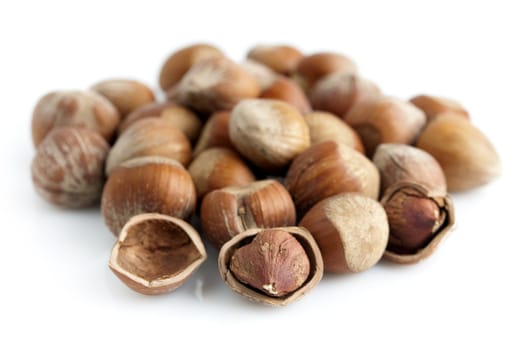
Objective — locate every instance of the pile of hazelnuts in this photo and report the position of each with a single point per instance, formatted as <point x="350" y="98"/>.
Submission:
<point x="291" y="165"/>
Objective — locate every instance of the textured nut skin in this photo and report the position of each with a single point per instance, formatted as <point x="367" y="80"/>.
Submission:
<point x="74" y="108"/>
<point x="432" y="106"/>
<point x="404" y="163"/>
<point x="214" y="133"/>
<point x="351" y="231"/>
<point x="270" y="133"/>
<point x="282" y="59"/>
<point x="314" y="67"/>
<point x="126" y="95"/>
<point x="214" y="84"/>
<point x="325" y="126"/>
<point x="68" y="168"/>
<point x="150" y="137"/>
<point x="262" y="74"/>
<point x="229" y="211"/>
<point x="466" y="155"/>
<point x="217" y="168"/>
<point x="162" y="243"/>
<point x="287" y="90"/>
<point x="385" y="119"/>
<point x="147" y="185"/>
<point x="274" y="262"/>
<point x="300" y="234"/>
<point x="329" y="168"/>
<point x="184" y="119"/>
<point x="182" y="60"/>
<point x="337" y="93"/>
<point x="153" y="109"/>
<point x="447" y="222"/>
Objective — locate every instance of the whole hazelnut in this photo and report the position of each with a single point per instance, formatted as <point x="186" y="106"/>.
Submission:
<point x="147" y="185"/>
<point x="153" y="109"/>
<point x="74" y="108"/>
<point x="229" y="211"/>
<point x="466" y="155"/>
<point x="325" y="126"/>
<point x="156" y="253"/>
<point x="326" y="169"/>
<point x="126" y="95"/>
<point x="272" y="266"/>
<point x="182" y="60"/>
<point x="339" y="92"/>
<point x="432" y="106"/>
<point x="351" y="231"/>
<point x="216" y="168"/>
<point x="262" y="74"/>
<point x="68" y="168"/>
<point x="184" y="119"/>
<point x="287" y="90"/>
<point x="404" y="163"/>
<point x="270" y="133"/>
<point x="419" y="219"/>
<point x="384" y="119"/>
<point x="214" y="84"/>
<point x="214" y="133"/>
<point x="150" y="137"/>
<point x="314" y="67"/>
<point x="282" y="59"/>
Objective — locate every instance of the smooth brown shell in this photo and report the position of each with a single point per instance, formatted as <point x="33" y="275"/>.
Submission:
<point x="282" y="59"/>
<point x="156" y="253"/>
<point x="307" y="242"/>
<point x="153" y="109"/>
<point x="184" y="119"/>
<point x="432" y="106"/>
<point x="262" y="74"/>
<point x="214" y="133"/>
<point x="126" y="95"/>
<point x="325" y="126"/>
<point x="287" y="90"/>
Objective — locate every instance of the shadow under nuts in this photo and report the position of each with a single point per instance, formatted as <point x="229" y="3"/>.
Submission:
<point x="273" y="266"/>
<point x="156" y="253"/>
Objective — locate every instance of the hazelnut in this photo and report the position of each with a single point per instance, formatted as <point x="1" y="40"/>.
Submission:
<point x="216" y="168"/>
<point x="150" y="137"/>
<point x="74" y="108"/>
<point x="419" y="219"/>
<point x="272" y="266"/>
<point x="287" y="90"/>
<point x="329" y="168"/>
<point x="126" y="95"/>
<point x="229" y="211"/>
<point x="182" y="60"/>
<point x="270" y="133"/>
<point x="325" y="126"/>
<point x="282" y="59"/>
<point x="466" y="155"/>
<point x="68" y="168"/>
<point x="214" y="84"/>
<point x="351" y="231"/>
<point x="156" y="253"/>
<point x="432" y="106"/>
<point x="147" y="185"/>
<point x="312" y="68"/>
<point x="184" y="119"/>
<point x="404" y="163"/>
<point x="153" y="109"/>
<point x="384" y="119"/>
<point x="262" y="74"/>
<point x="339" y="92"/>
<point x="214" y="133"/>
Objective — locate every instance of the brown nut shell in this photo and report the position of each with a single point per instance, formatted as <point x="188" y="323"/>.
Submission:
<point x="287" y="90"/>
<point x="150" y="137"/>
<point x="432" y="106"/>
<point x="153" y="109"/>
<point x="326" y="169"/>
<point x="147" y="185"/>
<point x="229" y="211"/>
<point x="351" y="231"/>
<point x="184" y="119"/>
<point x="74" y="108"/>
<point x="126" y="95"/>
<point x="310" y="248"/>
<point x="404" y="163"/>
<point x="68" y="167"/>
<point x="385" y="119"/>
<point x="262" y="74"/>
<point x="182" y="60"/>
<point x="445" y="222"/>
<point x="282" y="59"/>
<point x="326" y="126"/>
<point x="214" y="133"/>
<point x="466" y="155"/>
<point x="156" y="253"/>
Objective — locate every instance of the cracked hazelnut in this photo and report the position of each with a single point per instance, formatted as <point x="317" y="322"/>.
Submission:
<point x="126" y="95"/>
<point x="273" y="266"/>
<point x="156" y="253"/>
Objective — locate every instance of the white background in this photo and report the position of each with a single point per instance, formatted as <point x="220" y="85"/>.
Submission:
<point x="56" y="290"/>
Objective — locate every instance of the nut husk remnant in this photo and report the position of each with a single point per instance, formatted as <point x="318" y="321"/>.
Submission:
<point x="307" y="243"/>
<point x="156" y="253"/>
